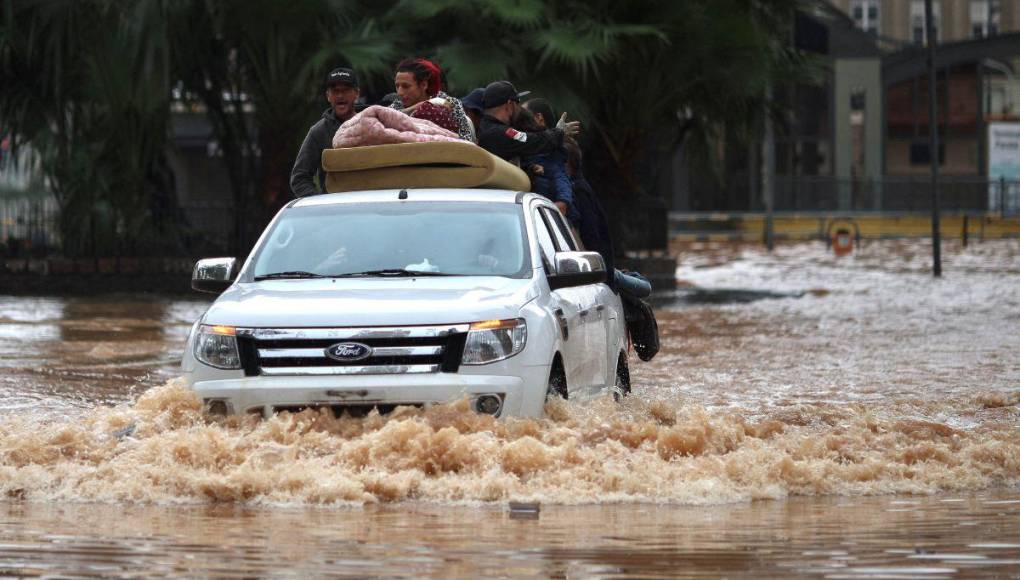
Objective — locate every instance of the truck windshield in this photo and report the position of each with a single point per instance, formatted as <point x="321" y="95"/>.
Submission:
<point x="392" y="239"/>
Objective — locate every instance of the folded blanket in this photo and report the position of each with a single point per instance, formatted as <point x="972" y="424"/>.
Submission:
<point x="441" y="115"/>
<point x="382" y="126"/>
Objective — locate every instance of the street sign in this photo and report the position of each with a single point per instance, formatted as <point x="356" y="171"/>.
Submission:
<point x="1003" y="161"/>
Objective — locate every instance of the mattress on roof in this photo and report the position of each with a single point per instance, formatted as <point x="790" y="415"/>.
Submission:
<point x="417" y="165"/>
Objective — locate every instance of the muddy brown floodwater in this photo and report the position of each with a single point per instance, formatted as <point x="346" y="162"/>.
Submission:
<point x="807" y="416"/>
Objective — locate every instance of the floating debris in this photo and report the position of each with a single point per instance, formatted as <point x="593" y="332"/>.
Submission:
<point x="524" y="510"/>
<point x="124" y="431"/>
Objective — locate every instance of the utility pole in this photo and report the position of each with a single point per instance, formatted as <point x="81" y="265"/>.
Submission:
<point x="933" y="142"/>
<point x="768" y="173"/>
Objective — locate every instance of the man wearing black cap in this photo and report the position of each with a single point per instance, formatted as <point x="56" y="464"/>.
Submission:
<point x="341" y="92"/>
<point x="502" y="103"/>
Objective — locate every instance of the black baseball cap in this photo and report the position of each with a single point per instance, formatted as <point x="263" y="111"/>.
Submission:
<point x="500" y="92"/>
<point x="342" y="75"/>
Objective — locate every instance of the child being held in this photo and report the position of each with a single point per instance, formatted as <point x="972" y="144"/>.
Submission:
<point x="547" y="171"/>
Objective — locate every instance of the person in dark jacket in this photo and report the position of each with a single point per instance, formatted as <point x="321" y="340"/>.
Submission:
<point x="632" y="287"/>
<point x="496" y="135"/>
<point x="548" y="171"/>
<point x="593" y="224"/>
<point x="342" y="93"/>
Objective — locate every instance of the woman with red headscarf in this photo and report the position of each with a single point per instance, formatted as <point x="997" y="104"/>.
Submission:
<point x="419" y="83"/>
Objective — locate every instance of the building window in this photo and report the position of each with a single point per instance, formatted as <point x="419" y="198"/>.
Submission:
<point x="984" y="18"/>
<point x="866" y="14"/>
<point x="917" y="28"/>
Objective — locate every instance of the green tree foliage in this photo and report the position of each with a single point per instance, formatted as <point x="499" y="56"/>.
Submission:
<point x="256" y="67"/>
<point x="644" y="76"/>
<point x="628" y="68"/>
<point x="89" y="83"/>
<point x="86" y="82"/>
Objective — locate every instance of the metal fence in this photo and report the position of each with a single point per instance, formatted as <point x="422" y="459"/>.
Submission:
<point x="899" y="194"/>
<point x="31" y="227"/>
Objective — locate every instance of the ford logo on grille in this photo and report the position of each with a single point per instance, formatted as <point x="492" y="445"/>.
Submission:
<point x="348" y="351"/>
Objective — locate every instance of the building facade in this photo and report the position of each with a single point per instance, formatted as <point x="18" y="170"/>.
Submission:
<point x="976" y="85"/>
<point x="955" y="20"/>
<point x="859" y="139"/>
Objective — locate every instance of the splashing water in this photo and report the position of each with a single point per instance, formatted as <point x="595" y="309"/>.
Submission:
<point x="640" y="450"/>
<point x="869" y="378"/>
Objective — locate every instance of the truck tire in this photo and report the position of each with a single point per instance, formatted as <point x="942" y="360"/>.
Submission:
<point x="622" y="387"/>
<point x="557" y="380"/>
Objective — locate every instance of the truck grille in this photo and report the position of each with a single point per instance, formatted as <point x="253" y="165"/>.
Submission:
<point x="394" y="350"/>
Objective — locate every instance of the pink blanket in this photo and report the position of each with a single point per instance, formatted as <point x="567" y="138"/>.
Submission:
<point x="381" y="126"/>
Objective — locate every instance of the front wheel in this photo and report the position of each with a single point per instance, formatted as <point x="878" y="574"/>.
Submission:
<point x="622" y="386"/>
<point x="557" y="381"/>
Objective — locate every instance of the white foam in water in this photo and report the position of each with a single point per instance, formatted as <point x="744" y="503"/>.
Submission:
<point x="879" y="380"/>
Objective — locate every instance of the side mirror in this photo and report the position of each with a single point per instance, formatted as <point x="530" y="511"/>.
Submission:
<point x="214" y="274"/>
<point x="577" y="269"/>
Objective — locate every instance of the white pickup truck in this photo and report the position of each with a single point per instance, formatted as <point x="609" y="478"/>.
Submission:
<point x="374" y="299"/>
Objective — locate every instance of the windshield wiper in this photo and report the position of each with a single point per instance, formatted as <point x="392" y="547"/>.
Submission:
<point x="290" y="274"/>
<point x="395" y="272"/>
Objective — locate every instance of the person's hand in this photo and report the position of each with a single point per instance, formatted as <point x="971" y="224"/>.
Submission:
<point x="412" y="108"/>
<point x="537" y="169"/>
<point x="562" y="206"/>
<point x="570" y="128"/>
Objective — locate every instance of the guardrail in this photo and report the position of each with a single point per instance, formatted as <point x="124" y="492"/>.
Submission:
<point x="897" y="194"/>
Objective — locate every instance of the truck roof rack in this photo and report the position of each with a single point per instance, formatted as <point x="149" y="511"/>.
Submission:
<point x="419" y="165"/>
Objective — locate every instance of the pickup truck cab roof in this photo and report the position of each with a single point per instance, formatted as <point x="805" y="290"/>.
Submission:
<point x="411" y="194"/>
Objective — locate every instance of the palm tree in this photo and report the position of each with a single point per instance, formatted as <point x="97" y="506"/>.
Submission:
<point x="255" y="67"/>
<point x="688" y="72"/>
<point x="88" y="82"/>
<point x="86" y="85"/>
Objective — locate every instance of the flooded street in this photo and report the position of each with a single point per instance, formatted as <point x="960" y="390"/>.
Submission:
<point x="860" y="537"/>
<point x="807" y="416"/>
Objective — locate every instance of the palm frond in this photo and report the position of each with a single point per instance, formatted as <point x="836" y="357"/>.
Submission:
<point x="426" y="9"/>
<point x="583" y="45"/>
<point x="473" y="65"/>
<point x="517" y="13"/>
<point x="366" y="48"/>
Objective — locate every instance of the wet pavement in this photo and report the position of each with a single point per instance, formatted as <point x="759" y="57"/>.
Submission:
<point x="807" y="416"/>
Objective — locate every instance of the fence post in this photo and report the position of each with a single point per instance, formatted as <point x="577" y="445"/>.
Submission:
<point x="965" y="224"/>
<point x="768" y="177"/>
<point x="92" y="231"/>
<point x="1002" y="196"/>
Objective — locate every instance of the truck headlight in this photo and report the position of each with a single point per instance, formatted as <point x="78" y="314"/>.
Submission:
<point x="216" y="346"/>
<point x="494" y="340"/>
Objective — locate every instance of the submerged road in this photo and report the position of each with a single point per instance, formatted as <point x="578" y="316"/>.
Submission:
<point x="808" y="416"/>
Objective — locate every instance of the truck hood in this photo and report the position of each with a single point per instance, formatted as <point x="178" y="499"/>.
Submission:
<point x="370" y="301"/>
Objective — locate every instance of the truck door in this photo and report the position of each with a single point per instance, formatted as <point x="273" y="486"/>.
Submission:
<point x="566" y="305"/>
<point x="591" y="311"/>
